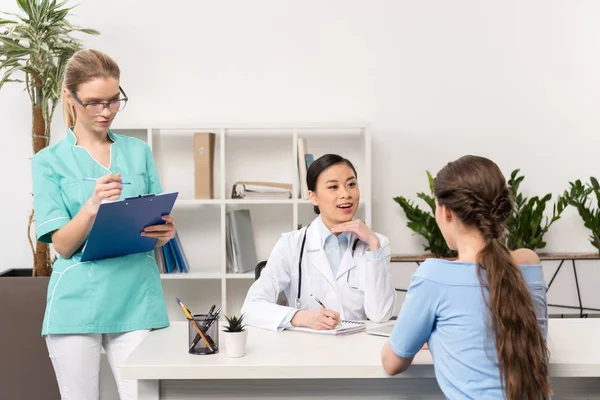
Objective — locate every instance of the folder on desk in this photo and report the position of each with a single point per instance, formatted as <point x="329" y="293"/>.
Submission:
<point x="118" y="225"/>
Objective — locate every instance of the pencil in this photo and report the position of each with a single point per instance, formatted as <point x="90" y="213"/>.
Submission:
<point x="191" y="318"/>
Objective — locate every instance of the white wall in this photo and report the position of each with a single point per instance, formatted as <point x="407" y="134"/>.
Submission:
<point x="515" y="81"/>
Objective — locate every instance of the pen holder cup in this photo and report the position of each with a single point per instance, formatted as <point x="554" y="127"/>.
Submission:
<point x="210" y="330"/>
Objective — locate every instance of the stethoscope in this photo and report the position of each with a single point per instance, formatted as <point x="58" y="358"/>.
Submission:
<point x="300" y="268"/>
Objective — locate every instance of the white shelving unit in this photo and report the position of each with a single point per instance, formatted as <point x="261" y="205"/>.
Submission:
<point x="241" y="153"/>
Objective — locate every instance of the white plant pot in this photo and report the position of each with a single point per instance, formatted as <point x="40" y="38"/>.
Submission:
<point x="235" y="343"/>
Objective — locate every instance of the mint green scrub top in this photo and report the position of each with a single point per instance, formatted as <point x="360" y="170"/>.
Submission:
<point x="112" y="295"/>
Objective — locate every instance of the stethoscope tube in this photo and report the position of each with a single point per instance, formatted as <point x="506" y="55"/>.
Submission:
<point x="300" y="264"/>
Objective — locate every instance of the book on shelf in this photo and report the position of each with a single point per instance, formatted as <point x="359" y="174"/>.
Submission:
<point x="171" y="257"/>
<point x="302" y="168"/>
<point x="204" y="160"/>
<point x="241" y="249"/>
<point x="261" y="190"/>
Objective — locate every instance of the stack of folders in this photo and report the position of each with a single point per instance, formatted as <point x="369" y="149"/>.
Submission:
<point x="304" y="161"/>
<point x="261" y="190"/>
<point x="241" y="250"/>
<point x="171" y="257"/>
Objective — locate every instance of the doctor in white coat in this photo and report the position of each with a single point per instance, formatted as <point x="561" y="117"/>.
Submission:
<point x="335" y="269"/>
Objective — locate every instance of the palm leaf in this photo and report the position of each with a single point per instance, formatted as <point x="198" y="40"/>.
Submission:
<point x="38" y="42"/>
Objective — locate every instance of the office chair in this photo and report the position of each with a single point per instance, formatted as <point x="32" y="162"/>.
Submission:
<point x="258" y="269"/>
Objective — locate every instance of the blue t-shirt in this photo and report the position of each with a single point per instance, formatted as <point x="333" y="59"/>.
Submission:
<point x="444" y="307"/>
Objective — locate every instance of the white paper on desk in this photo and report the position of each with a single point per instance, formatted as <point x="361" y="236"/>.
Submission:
<point x="345" y="328"/>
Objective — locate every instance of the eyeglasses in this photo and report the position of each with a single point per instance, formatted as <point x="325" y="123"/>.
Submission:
<point x="95" y="108"/>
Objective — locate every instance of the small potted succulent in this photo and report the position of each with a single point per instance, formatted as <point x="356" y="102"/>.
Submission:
<point x="234" y="336"/>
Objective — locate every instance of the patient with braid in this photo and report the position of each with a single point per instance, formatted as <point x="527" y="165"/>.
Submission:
<point x="483" y="315"/>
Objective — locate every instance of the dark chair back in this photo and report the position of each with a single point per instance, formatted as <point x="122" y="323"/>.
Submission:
<point x="258" y="269"/>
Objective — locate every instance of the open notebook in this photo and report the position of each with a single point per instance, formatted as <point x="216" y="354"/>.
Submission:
<point x="344" y="328"/>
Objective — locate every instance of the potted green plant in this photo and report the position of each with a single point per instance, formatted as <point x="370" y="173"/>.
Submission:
<point x="579" y="197"/>
<point x="423" y="223"/>
<point x="234" y="336"/>
<point x="527" y="224"/>
<point x="37" y="45"/>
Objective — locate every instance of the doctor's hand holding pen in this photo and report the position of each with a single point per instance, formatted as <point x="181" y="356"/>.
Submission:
<point x="320" y="319"/>
<point x="108" y="187"/>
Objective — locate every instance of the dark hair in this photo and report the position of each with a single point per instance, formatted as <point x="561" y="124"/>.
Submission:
<point x="320" y="165"/>
<point x="476" y="191"/>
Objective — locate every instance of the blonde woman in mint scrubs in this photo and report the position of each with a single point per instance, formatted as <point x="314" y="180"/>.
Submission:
<point x="110" y="303"/>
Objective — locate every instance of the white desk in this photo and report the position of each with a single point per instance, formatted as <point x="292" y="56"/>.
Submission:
<point x="301" y="365"/>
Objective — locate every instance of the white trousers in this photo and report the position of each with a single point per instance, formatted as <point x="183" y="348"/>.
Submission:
<point x="76" y="361"/>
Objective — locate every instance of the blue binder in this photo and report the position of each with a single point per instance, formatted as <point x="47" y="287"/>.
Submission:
<point x="118" y="224"/>
<point x="169" y="257"/>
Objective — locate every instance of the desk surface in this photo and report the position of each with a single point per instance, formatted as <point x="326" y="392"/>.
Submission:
<point x="573" y="343"/>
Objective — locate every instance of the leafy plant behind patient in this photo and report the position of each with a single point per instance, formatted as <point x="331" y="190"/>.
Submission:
<point x="578" y="197"/>
<point x="527" y="224"/>
<point x="423" y="223"/>
<point x="38" y="44"/>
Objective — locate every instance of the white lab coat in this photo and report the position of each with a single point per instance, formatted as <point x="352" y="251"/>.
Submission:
<point x="375" y="301"/>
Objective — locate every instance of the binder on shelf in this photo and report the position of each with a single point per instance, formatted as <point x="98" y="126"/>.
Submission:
<point x="204" y="160"/>
<point x="169" y="257"/>
<point x="302" y="168"/>
<point x="309" y="158"/>
<point x="178" y="256"/>
<point x="261" y="190"/>
<point x="174" y="257"/>
<point x="184" y="258"/>
<point x="241" y="249"/>
<point x="159" y="255"/>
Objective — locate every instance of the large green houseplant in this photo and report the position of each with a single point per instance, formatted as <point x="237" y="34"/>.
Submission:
<point x="423" y="223"/>
<point x="578" y="196"/>
<point x="34" y="48"/>
<point x="527" y="224"/>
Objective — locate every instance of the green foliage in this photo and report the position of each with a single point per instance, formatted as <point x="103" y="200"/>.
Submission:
<point x="578" y="197"/>
<point x="527" y="224"/>
<point x="423" y="222"/>
<point x="38" y="43"/>
<point x="235" y="323"/>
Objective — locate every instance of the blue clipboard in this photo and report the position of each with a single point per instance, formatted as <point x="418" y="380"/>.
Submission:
<point x="118" y="224"/>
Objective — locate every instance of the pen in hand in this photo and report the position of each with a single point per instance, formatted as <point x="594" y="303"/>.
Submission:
<point x="95" y="179"/>
<point x="317" y="300"/>
<point x="321" y="304"/>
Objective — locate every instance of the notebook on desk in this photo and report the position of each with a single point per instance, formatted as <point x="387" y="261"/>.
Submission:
<point x="344" y="328"/>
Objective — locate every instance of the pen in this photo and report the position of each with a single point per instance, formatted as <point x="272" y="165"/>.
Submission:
<point x="321" y="304"/>
<point x="95" y="179"/>
<point x="189" y="315"/>
<point x="317" y="300"/>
